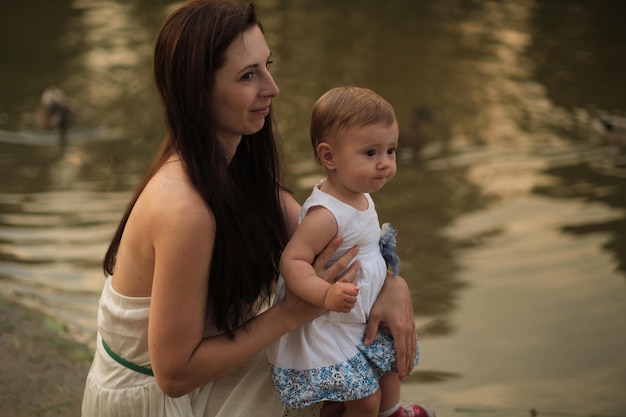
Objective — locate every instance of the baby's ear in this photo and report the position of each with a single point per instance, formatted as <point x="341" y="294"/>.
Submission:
<point x="326" y="156"/>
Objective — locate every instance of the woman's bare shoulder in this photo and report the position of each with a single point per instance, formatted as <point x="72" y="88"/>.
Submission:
<point x="170" y="217"/>
<point x="170" y="194"/>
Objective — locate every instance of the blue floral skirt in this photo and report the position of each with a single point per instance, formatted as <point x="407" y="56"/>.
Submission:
<point x="352" y="379"/>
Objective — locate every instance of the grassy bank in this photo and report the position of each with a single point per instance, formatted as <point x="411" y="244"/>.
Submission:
<point x="42" y="370"/>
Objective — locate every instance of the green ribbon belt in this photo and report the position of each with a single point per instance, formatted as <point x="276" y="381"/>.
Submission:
<point x="125" y="363"/>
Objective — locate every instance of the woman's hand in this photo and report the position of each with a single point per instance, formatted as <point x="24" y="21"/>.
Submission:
<point x="333" y="272"/>
<point x="393" y="309"/>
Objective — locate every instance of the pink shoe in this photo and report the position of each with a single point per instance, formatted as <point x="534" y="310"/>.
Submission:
<point x="413" y="411"/>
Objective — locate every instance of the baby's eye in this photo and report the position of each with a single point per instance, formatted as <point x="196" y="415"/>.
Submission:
<point x="370" y="152"/>
<point x="391" y="151"/>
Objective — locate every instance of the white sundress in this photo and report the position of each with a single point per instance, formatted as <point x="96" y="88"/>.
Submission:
<point x="114" y="390"/>
<point x="325" y="359"/>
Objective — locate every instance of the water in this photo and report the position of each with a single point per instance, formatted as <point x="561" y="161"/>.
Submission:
<point x="512" y="219"/>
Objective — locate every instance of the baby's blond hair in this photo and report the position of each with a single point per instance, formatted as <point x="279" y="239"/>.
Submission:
<point x="345" y="107"/>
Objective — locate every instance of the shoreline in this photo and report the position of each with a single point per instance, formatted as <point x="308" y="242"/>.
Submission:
<point x="43" y="369"/>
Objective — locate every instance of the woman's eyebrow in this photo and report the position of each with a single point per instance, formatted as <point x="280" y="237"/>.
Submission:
<point x="250" y="66"/>
<point x="253" y="66"/>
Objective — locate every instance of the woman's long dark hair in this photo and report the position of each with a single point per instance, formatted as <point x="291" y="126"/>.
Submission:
<point x="243" y="194"/>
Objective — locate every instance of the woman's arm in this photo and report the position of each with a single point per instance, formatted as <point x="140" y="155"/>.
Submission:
<point x="291" y="211"/>
<point x="182" y="359"/>
<point x="183" y="234"/>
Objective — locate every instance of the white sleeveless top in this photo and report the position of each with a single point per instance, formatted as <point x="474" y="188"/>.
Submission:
<point x="325" y="359"/>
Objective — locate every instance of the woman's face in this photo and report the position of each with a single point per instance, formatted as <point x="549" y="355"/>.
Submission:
<point x="243" y="88"/>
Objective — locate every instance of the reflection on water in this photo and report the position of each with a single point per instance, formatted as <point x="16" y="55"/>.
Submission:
<point x="48" y="241"/>
<point x="509" y="201"/>
<point x="606" y="186"/>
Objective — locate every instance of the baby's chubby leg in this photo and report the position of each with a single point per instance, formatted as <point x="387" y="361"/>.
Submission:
<point x="390" y="390"/>
<point x="365" y="407"/>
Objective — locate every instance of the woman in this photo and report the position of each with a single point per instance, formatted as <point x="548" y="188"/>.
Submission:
<point x="193" y="262"/>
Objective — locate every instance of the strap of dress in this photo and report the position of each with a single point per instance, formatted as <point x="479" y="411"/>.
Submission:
<point x="133" y="367"/>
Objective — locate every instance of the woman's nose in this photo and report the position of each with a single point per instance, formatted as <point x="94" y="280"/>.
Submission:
<point x="270" y="88"/>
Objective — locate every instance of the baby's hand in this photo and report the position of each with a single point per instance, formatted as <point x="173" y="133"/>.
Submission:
<point x="341" y="297"/>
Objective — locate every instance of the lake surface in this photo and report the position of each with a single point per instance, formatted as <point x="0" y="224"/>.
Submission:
<point x="510" y="197"/>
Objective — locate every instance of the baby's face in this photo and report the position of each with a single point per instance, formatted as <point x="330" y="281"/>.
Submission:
<point x="365" y="156"/>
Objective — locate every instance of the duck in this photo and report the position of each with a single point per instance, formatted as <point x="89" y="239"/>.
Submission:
<point x="413" y="139"/>
<point x="54" y="112"/>
<point x="613" y="129"/>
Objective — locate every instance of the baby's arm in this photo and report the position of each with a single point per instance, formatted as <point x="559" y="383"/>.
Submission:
<point x="317" y="229"/>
